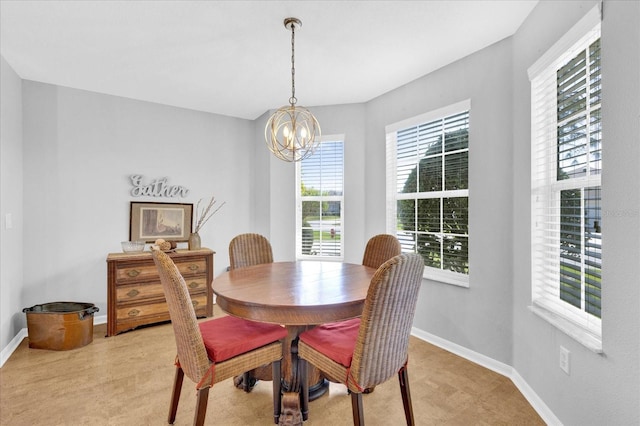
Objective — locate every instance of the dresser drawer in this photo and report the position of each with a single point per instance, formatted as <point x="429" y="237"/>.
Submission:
<point x="150" y="309"/>
<point x="133" y="315"/>
<point x="133" y="293"/>
<point x="147" y="271"/>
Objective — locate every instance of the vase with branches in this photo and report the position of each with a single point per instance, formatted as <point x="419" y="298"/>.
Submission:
<point x="202" y="215"/>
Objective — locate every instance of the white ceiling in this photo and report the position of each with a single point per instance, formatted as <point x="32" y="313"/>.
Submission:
<point x="234" y="57"/>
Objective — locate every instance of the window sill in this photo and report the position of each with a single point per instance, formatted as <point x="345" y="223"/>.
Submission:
<point x="574" y="331"/>
<point x="320" y="258"/>
<point x="446" y="277"/>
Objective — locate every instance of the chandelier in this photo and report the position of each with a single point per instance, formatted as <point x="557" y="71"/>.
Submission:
<point x="292" y="132"/>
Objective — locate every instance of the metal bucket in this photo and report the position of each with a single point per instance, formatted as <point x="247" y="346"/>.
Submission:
<point x="60" y="326"/>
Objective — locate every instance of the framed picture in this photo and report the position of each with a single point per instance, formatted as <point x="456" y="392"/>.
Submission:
<point x="169" y="221"/>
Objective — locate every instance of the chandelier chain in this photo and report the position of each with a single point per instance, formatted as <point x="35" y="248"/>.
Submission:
<point x="293" y="99"/>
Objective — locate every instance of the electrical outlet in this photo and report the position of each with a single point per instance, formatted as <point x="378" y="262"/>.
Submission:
<point x="565" y="357"/>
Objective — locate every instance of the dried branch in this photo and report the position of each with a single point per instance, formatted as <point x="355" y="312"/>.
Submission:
<point x="203" y="215"/>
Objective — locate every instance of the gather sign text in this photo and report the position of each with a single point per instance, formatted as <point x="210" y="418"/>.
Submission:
<point x="156" y="188"/>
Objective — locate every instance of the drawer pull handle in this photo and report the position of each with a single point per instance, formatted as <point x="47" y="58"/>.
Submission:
<point x="133" y="293"/>
<point x="133" y="273"/>
<point x="133" y="313"/>
<point x="194" y="284"/>
<point x="193" y="267"/>
<point x="194" y="303"/>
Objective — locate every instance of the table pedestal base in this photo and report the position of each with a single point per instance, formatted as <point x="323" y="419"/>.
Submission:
<point x="319" y="389"/>
<point x="291" y="414"/>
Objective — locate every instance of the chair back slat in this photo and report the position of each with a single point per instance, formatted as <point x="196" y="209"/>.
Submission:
<point x="379" y="249"/>
<point x="383" y="339"/>
<point x="192" y="353"/>
<point x="248" y="250"/>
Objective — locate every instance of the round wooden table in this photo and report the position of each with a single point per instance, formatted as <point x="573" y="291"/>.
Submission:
<point x="297" y="295"/>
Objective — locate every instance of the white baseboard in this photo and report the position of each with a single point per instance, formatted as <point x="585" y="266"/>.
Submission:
<point x="503" y="369"/>
<point x="99" y="319"/>
<point x="12" y="346"/>
<point x="535" y="401"/>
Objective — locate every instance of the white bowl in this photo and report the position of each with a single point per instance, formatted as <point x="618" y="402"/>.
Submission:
<point x="132" y="246"/>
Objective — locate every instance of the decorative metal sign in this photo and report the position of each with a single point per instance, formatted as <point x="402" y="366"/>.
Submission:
<point x="156" y="188"/>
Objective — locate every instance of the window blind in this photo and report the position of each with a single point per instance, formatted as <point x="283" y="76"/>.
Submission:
<point x="320" y="201"/>
<point x="427" y="190"/>
<point x="566" y="174"/>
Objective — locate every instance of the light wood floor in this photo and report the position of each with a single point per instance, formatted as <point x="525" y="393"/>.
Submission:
<point x="127" y="380"/>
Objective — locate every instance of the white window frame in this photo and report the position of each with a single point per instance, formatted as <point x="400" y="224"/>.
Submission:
<point x="545" y="283"/>
<point x="340" y="198"/>
<point x="444" y="276"/>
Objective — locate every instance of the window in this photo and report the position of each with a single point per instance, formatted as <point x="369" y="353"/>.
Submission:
<point x="428" y="190"/>
<point x="320" y="202"/>
<point x="565" y="186"/>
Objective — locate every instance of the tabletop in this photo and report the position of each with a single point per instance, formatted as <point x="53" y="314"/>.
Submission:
<point x="294" y="293"/>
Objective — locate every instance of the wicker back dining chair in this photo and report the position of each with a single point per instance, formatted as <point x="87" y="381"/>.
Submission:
<point x="214" y="350"/>
<point x="364" y="352"/>
<point x="379" y="249"/>
<point x="248" y="250"/>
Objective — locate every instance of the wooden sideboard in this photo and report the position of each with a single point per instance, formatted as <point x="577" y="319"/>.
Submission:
<point x="135" y="296"/>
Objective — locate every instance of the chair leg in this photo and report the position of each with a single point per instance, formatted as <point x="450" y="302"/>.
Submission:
<point x="356" y="408"/>
<point x="406" y="395"/>
<point x="277" y="391"/>
<point x="201" y="406"/>
<point x="304" y="388"/>
<point x="175" y="395"/>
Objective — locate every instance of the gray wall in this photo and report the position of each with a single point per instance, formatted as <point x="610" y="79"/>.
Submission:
<point x="478" y="318"/>
<point x="11" y="242"/>
<point x="601" y="389"/>
<point x="79" y="147"/>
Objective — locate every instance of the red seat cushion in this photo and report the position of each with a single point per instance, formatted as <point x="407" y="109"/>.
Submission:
<point x="229" y="336"/>
<point x="336" y="340"/>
